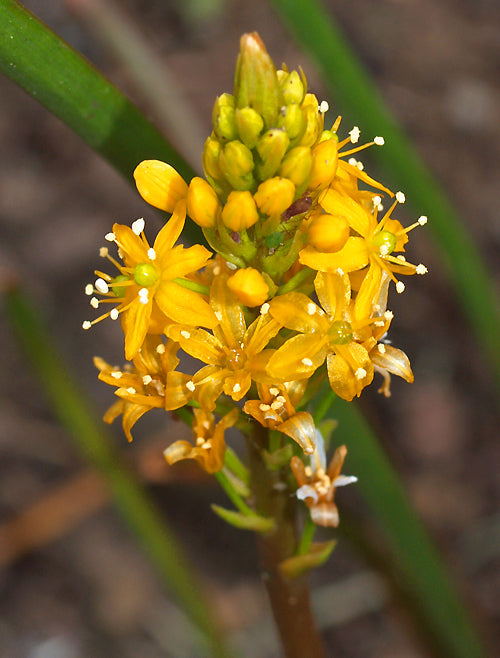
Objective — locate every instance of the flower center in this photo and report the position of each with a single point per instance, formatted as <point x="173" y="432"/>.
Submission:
<point x="234" y="358"/>
<point x="384" y="242"/>
<point x="145" y="274"/>
<point x="340" y="333"/>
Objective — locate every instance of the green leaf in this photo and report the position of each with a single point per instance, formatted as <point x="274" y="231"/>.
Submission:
<point x="96" y="445"/>
<point x="243" y="521"/>
<point x="298" y="565"/>
<point x="420" y="570"/>
<point x="64" y="82"/>
<point x="356" y="95"/>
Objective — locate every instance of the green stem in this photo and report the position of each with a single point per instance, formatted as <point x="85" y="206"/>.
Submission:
<point x="237" y="501"/>
<point x="307" y="536"/>
<point x="192" y="285"/>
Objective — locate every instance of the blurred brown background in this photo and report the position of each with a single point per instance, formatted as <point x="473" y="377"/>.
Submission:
<point x="90" y="591"/>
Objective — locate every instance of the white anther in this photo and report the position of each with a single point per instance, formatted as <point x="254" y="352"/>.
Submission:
<point x="86" y="324"/>
<point x="110" y="237"/>
<point x="323" y="107"/>
<point x="131" y="390"/>
<point x="360" y="165"/>
<point x="388" y="315"/>
<point x="190" y="386"/>
<point x="379" y="141"/>
<point x="161" y="348"/>
<point x="94" y="302"/>
<point x="421" y="269"/>
<point x="379" y="323"/>
<point x="354" y="134"/>
<point x="401" y="258"/>
<point x="120" y="253"/>
<point x="216" y="270"/>
<point x="376" y="201"/>
<point x="307" y="362"/>
<point x="206" y="424"/>
<point x="400" y="287"/>
<point x="311" y="308"/>
<point x="207" y="445"/>
<point x="264" y="308"/>
<point x="89" y="289"/>
<point x="138" y="226"/>
<point x="280" y="399"/>
<point x="185" y="334"/>
<point x="264" y="407"/>
<point x="103" y="252"/>
<point x="236" y="388"/>
<point x="200" y="441"/>
<point x="381" y="348"/>
<point x="360" y="373"/>
<point x="147" y="379"/>
<point x="151" y="254"/>
<point x="339" y="271"/>
<point x="384" y="250"/>
<point x="400" y="197"/>
<point x="101" y="286"/>
<point x="114" y="313"/>
<point x="275" y="405"/>
<point x="144" y="295"/>
<point x="116" y="374"/>
<point x="422" y="220"/>
<point x="274" y="391"/>
<point x="353" y="162"/>
<point x="231" y="266"/>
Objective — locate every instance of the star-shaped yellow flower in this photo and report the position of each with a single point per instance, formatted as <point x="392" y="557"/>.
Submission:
<point x="151" y="383"/>
<point x="235" y="355"/>
<point x="149" y="285"/>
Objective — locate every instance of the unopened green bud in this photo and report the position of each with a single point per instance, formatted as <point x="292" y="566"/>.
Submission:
<point x="297" y="165"/>
<point x="256" y="83"/>
<point x="271" y="148"/>
<point x="250" y="125"/>
<point x="292" y="88"/>
<point x="224" y="119"/>
<point x="236" y="163"/>
<point x="292" y="120"/>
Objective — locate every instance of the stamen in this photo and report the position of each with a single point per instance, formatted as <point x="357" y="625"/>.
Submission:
<point x="379" y="141"/>
<point x="185" y="334"/>
<point x="388" y="315"/>
<point x="131" y="390"/>
<point x="381" y="348"/>
<point x="101" y="286"/>
<point x="307" y="362"/>
<point x="116" y="374"/>
<point x="161" y="348"/>
<point x="264" y="308"/>
<point x="422" y="220"/>
<point x="103" y="252"/>
<point x="89" y="289"/>
<point x="421" y="269"/>
<point x="311" y="308"/>
<point x="354" y="134"/>
<point x="147" y="379"/>
<point x="151" y="254"/>
<point x="94" y="302"/>
<point x="114" y="313"/>
<point x="400" y="197"/>
<point x="143" y="296"/>
<point x="360" y="373"/>
<point x="264" y="407"/>
<point x="86" y="324"/>
<point x="280" y="399"/>
<point x="200" y="441"/>
<point x="110" y="237"/>
<point x="323" y="107"/>
<point x="236" y="388"/>
<point x="190" y="386"/>
<point x="138" y="226"/>
<point x="400" y="287"/>
<point x="274" y="391"/>
<point x="275" y="405"/>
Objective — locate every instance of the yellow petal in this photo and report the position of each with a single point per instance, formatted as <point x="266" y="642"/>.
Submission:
<point x="136" y="322"/>
<point x="170" y="233"/>
<point x="132" y="247"/>
<point x="299" y="357"/>
<point x="180" y="262"/>
<point x="184" y="305"/>
<point x="300" y="427"/>
<point x="296" y="311"/>
<point x="334" y="293"/>
<point x="228" y="312"/>
<point x="353" y="256"/>
<point x="159" y="184"/>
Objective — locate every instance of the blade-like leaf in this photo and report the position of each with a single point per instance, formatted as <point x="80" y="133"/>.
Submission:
<point x="356" y="95"/>
<point x="95" y="444"/>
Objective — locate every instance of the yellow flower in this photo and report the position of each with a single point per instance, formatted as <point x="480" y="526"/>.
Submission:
<point x="235" y="354"/>
<point x="332" y="332"/>
<point x="148" y="280"/>
<point x="151" y="383"/>
<point x="274" y="409"/>
<point x="210" y="448"/>
<point x="372" y="243"/>
<point x="317" y="484"/>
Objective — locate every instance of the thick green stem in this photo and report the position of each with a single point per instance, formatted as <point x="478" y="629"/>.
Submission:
<point x="289" y="598"/>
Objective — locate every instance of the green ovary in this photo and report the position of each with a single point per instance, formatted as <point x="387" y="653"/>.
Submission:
<point x="145" y="274"/>
<point x="118" y="290"/>
<point x="340" y="333"/>
<point x="384" y="242"/>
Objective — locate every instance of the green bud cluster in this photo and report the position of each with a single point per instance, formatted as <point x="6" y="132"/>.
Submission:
<point x="267" y="128"/>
